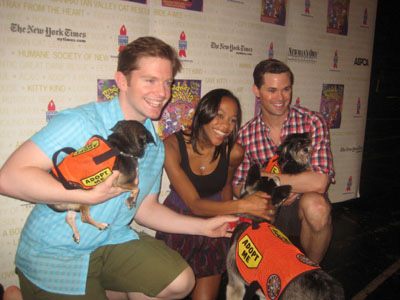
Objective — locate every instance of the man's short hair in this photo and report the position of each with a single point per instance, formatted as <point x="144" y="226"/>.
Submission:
<point x="272" y="66"/>
<point x="147" y="46"/>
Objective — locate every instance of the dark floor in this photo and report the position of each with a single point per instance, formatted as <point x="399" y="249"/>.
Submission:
<point x="365" y="243"/>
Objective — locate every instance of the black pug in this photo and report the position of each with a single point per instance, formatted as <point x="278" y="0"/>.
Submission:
<point x="270" y="265"/>
<point x="92" y="164"/>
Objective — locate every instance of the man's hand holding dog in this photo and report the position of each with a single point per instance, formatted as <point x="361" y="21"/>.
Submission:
<point x="106" y="190"/>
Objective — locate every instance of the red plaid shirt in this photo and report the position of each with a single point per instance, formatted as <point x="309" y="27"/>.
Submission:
<point x="259" y="147"/>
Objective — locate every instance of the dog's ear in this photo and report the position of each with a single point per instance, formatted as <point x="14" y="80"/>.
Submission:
<point x="117" y="126"/>
<point x="253" y="175"/>
<point x="148" y="137"/>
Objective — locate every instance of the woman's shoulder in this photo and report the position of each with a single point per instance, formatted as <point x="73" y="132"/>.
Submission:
<point x="237" y="154"/>
<point x="172" y="141"/>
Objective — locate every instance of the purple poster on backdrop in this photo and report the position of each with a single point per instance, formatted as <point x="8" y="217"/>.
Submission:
<point x="273" y="11"/>
<point x="332" y="104"/>
<point x="196" y="5"/>
<point x="137" y="1"/>
<point x="338" y="16"/>
<point x="106" y="89"/>
<point x="179" y="112"/>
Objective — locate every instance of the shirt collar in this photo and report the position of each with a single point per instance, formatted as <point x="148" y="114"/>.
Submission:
<point x="113" y="113"/>
<point x="264" y="126"/>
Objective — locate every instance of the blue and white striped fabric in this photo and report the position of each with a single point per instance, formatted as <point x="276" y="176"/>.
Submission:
<point x="47" y="254"/>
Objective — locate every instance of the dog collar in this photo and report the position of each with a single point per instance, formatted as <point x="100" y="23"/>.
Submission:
<point x="127" y="155"/>
<point x="241" y="220"/>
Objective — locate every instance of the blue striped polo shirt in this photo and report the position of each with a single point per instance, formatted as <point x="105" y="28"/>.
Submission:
<point x="47" y="254"/>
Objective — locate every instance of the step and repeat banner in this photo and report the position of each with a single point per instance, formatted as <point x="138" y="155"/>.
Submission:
<point x="56" y="54"/>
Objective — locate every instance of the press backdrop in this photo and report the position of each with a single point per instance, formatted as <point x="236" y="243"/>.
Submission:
<point x="56" y="54"/>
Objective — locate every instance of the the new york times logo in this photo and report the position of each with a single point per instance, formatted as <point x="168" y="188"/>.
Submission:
<point x="360" y="61"/>
<point x="302" y="55"/>
<point x="354" y="149"/>
<point x="66" y="34"/>
<point x="237" y="49"/>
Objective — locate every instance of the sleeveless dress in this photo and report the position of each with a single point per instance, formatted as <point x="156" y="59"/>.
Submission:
<point x="206" y="256"/>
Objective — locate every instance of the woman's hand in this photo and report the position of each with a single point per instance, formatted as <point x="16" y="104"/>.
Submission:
<point x="259" y="204"/>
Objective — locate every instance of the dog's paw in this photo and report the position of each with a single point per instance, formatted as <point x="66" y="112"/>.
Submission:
<point x="131" y="201"/>
<point x="103" y="226"/>
<point x="76" y="238"/>
<point x="276" y="180"/>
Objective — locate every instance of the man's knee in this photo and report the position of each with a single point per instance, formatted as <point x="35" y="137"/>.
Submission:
<point x="315" y="208"/>
<point x="181" y="286"/>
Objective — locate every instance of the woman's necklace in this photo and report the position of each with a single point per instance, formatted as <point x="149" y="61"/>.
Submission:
<point x="204" y="164"/>
<point x="205" y="158"/>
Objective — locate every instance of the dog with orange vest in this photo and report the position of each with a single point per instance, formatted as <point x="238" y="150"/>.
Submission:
<point x="86" y="167"/>
<point x="261" y="259"/>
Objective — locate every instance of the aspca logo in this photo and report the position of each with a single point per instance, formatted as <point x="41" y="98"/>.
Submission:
<point x="360" y="61"/>
<point x="248" y="252"/>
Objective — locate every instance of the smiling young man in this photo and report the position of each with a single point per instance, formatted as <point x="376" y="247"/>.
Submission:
<point x="49" y="264"/>
<point x="306" y="213"/>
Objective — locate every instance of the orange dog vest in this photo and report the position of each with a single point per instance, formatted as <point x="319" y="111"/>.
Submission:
<point x="273" y="166"/>
<point x="267" y="257"/>
<point x="87" y="166"/>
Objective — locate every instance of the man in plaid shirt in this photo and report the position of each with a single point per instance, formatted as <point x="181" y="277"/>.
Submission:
<point x="307" y="211"/>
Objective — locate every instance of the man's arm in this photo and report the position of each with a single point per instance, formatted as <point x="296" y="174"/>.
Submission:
<point x="307" y="181"/>
<point x="156" y="216"/>
<point x="25" y="176"/>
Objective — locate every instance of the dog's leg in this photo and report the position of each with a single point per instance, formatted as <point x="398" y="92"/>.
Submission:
<point x="131" y="201"/>
<point x="87" y="218"/>
<point x="276" y="180"/>
<point x="235" y="288"/>
<point x="70" y="219"/>
<point x="235" y="292"/>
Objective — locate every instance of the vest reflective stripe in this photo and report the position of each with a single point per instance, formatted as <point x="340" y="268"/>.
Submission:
<point x="79" y="167"/>
<point x="267" y="256"/>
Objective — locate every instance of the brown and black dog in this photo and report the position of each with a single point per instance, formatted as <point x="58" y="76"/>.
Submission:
<point x="120" y="151"/>
<point x="261" y="257"/>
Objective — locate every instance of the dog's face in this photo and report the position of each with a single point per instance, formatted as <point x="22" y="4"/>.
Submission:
<point x="296" y="148"/>
<point x="132" y="137"/>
